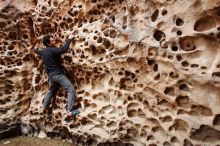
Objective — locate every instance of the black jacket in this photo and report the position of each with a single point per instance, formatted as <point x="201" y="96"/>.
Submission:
<point x="52" y="58"/>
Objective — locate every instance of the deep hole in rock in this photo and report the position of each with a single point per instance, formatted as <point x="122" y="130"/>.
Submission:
<point x="216" y="74"/>
<point x="2" y="102"/>
<point x="169" y="91"/>
<point x="179" y="33"/>
<point x="174" y="139"/>
<point x="37" y="79"/>
<point x="166" y="119"/>
<point x="185" y="64"/>
<point x="124" y="27"/>
<point x="164" y="12"/>
<point x="113" y="33"/>
<point x="158" y="35"/>
<point x="170" y="57"/>
<point x="99" y="40"/>
<point x="184" y="87"/>
<point x="156" y="129"/>
<point x="217" y="11"/>
<point x="157" y="76"/>
<point x="150" y="62"/>
<point x="174" y="48"/>
<point x="12" y="35"/>
<point x="179" y="22"/>
<point x="174" y="75"/>
<point x="205" y="133"/>
<point x="187" y="143"/>
<point x="218" y="35"/>
<point x="216" y="120"/>
<point x="203" y="67"/>
<point x="194" y="65"/>
<point x="204" y="24"/>
<point x="95" y="37"/>
<point x="154" y="16"/>
<point x="10" y="47"/>
<point x="187" y="43"/>
<point x="200" y="110"/>
<point x="106" y="43"/>
<point x="155" y="67"/>
<point x="183" y="101"/>
<point x="179" y="125"/>
<point x="68" y="58"/>
<point x="179" y="57"/>
<point x="150" y="137"/>
<point x="166" y="143"/>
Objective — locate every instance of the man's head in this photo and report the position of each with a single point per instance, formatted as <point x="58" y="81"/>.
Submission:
<point x="49" y="41"/>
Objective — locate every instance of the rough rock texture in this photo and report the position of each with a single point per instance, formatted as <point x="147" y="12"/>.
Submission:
<point x="146" y="72"/>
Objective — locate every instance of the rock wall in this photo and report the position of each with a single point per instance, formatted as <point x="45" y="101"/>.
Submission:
<point x="146" y="72"/>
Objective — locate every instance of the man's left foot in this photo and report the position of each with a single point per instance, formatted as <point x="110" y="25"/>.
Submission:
<point x="73" y="113"/>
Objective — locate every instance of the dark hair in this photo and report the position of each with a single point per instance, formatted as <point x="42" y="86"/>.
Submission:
<point x="46" y="40"/>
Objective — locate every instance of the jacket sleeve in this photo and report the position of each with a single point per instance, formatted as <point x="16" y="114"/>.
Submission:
<point x="38" y="51"/>
<point x="62" y="49"/>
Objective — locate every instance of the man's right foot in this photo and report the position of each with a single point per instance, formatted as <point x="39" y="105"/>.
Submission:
<point x="73" y="113"/>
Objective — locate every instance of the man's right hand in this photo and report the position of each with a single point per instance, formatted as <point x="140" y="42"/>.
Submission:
<point x="70" y="36"/>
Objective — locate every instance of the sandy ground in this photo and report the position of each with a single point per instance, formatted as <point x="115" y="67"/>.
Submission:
<point x="33" y="141"/>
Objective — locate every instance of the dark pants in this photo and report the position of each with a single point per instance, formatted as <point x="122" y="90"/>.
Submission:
<point x="54" y="84"/>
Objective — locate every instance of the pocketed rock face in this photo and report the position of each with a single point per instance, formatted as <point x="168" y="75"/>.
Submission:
<point x="145" y="72"/>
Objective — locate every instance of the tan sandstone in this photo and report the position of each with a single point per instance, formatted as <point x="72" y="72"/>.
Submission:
<point x="146" y="72"/>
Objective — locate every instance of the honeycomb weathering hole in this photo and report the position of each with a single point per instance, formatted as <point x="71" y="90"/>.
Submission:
<point x="169" y="91"/>
<point x="183" y="101"/>
<point x="179" y="22"/>
<point x="216" y="120"/>
<point x="164" y="12"/>
<point x="179" y="33"/>
<point x="187" y="43"/>
<point x="204" y="24"/>
<point x="155" y="15"/>
<point x="205" y="133"/>
<point x="158" y="35"/>
<point x="200" y="110"/>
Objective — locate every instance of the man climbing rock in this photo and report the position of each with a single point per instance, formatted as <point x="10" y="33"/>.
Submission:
<point x="51" y="56"/>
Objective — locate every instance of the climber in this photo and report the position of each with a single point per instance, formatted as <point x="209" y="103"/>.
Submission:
<point x="51" y="56"/>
